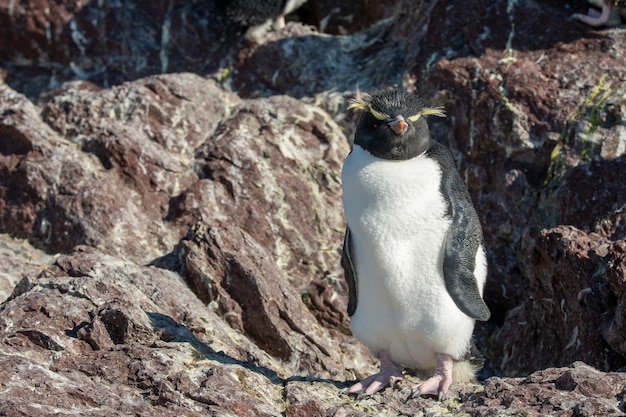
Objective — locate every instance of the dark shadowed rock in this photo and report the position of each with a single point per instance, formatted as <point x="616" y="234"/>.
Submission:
<point x="111" y="42"/>
<point x="614" y="330"/>
<point x="568" y="269"/>
<point x="568" y="290"/>
<point x="308" y="63"/>
<point x="339" y="18"/>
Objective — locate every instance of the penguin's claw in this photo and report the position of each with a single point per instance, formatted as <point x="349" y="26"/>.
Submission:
<point x="439" y="383"/>
<point x="393" y="381"/>
<point x="374" y="383"/>
<point x="390" y="373"/>
<point x="435" y="385"/>
<point x="280" y="22"/>
<point x="370" y="385"/>
<point x="442" y="396"/>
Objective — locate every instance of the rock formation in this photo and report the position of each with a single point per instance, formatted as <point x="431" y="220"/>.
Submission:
<point x="170" y="209"/>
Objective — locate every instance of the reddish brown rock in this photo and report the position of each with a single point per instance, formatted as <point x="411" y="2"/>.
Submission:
<point x="198" y="230"/>
<point x="226" y="267"/>
<point x="568" y="290"/>
<point x="570" y="282"/>
<point x="614" y="330"/>
<point x="19" y="259"/>
<point x="273" y="170"/>
<point x="305" y="63"/>
<point x="56" y="41"/>
<point x="101" y="149"/>
<point x="156" y="353"/>
<point x="579" y="390"/>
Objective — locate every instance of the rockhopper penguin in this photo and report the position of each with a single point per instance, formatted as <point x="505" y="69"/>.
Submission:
<point x="413" y="251"/>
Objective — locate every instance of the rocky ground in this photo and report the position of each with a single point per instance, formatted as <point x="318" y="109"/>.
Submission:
<point x="170" y="204"/>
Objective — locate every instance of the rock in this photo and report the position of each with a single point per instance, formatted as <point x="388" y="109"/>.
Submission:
<point x="103" y="148"/>
<point x="614" y="329"/>
<point x="170" y="204"/>
<point x="579" y="390"/>
<point x="343" y="18"/>
<point x="100" y="325"/>
<point x="273" y="170"/>
<point x="306" y="63"/>
<point x="568" y="288"/>
<point x="234" y="272"/>
<point x="19" y="260"/>
<point x="97" y="301"/>
<point x="570" y="283"/>
<point x="109" y="43"/>
<point x="190" y="361"/>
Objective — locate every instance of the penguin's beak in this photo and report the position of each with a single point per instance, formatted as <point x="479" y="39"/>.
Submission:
<point x="398" y="125"/>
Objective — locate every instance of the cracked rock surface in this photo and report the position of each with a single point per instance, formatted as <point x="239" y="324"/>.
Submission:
<point x="170" y="204"/>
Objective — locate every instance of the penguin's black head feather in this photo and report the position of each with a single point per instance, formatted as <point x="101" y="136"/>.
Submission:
<point x="393" y="125"/>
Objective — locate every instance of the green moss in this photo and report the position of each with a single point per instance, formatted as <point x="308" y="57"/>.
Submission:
<point x="592" y="106"/>
<point x="590" y="110"/>
<point x="196" y="355"/>
<point x="223" y="75"/>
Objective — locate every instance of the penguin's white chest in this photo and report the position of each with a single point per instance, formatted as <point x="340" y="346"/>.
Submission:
<point x="398" y="219"/>
<point x="393" y="200"/>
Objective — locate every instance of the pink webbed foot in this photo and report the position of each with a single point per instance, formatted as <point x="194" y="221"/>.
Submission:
<point x="594" y="18"/>
<point x="389" y="373"/>
<point x="440" y="382"/>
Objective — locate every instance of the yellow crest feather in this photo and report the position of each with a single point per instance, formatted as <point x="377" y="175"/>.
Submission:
<point x="429" y="111"/>
<point x="359" y="103"/>
<point x="363" y="104"/>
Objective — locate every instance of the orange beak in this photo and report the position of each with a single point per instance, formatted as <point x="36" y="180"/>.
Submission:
<point x="399" y="125"/>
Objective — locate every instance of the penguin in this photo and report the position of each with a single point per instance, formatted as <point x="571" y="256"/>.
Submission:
<point x="610" y="13"/>
<point x="413" y="253"/>
<point x="260" y="15"/>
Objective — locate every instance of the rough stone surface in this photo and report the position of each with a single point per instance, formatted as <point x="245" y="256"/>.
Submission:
<point x="171" y="216"/>
<point x="569" y="290"/>
<point x="109" y="42"/>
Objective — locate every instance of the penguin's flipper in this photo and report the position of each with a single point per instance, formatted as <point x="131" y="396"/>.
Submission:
<point x="458" y="267"/>
<point x="347" y="262"/>
<point x="463" y="240"/>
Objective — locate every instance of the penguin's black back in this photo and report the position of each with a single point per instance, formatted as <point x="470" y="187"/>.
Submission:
<point x="464" y="238"/>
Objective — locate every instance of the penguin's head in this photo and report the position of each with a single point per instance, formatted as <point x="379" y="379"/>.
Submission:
<point x="393" y="124"/>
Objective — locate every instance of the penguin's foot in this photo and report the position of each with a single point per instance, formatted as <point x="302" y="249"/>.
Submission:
<point x="440" y="382"/>
<point x="594" y="18"/>
<point x="389" y="373"/>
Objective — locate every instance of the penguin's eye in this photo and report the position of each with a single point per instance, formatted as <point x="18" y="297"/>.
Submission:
<point x="375" y="125"/>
